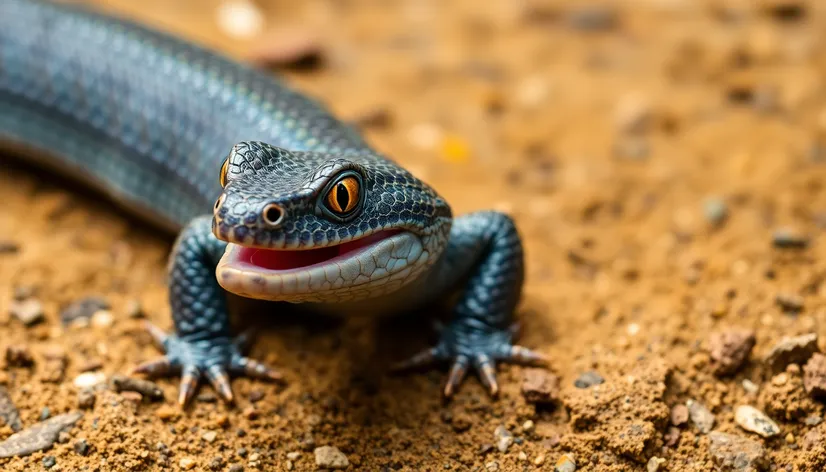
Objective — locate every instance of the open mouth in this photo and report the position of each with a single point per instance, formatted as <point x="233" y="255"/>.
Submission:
<point x="280" y="260"/>
<point x="362" y="268"/>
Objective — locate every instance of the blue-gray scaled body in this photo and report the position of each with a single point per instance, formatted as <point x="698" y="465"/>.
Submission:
<point x="273" y="198"/>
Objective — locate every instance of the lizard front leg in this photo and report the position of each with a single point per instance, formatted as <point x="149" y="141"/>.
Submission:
<point x="484" y="251"/>
<point x="203" y="345"/>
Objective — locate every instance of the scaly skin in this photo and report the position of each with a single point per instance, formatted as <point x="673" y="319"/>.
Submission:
<point x="306" y="212"/>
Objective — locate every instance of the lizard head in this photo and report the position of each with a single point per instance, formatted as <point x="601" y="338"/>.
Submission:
<point x="323" y="227"/>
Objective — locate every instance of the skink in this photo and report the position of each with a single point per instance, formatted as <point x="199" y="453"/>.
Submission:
<point x="273" y="198"/>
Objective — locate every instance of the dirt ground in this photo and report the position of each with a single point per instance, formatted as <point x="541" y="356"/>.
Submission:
<point x="664" y="160"/>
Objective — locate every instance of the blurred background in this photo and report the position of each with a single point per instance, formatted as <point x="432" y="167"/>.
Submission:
<point x="664" y="161"/>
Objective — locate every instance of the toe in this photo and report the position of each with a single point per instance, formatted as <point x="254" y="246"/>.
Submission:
<point x="189" y="384"/>
<point x="421" y="359"/>
<point x="158" y="335"/>
<point x="219" y="379"/>
<point x="156" y="367"/>
<point x="457" y="373"/>
<point x="523" y="355"/>
<point x="257" y="370"/>
<point x="486" y="368"/>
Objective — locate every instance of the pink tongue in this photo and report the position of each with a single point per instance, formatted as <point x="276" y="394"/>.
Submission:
<point x="282" y="260"/>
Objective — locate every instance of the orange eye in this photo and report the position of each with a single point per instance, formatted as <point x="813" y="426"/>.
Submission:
<point x="344" y="196"/>
<point x="223" y="177"/>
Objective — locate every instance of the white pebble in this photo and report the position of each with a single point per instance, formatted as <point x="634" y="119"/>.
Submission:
<point x="89" y="379"/>
<point x="754" y="420"/>
<point x="102" y="319"/>
<point x="240" y="19"/>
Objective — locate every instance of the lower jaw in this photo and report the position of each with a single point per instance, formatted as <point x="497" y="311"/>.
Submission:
<point x="364" y="270"/>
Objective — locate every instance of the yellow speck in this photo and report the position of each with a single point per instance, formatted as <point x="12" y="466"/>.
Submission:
<point x="455" y="149"/>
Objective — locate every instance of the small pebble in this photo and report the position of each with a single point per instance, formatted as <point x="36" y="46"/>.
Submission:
<point x="528" y="426"/>
<point x="522" y="456"/>
<point x="166" y="412"/>
<point x="754" y="420"/>
<point x="539" y="460"/>
<point x="750" y="386"/>
<point x="492" y="466"/>
<point x="89" y="380"/>
<point x="151" y="390"/>
<point x="293" y="456"/>
<point x="813" y="420"/>
<point x="49" y="462"/>
<point x="566" y="463"/>
<point x="8" y="411"/>
<point x="330" y="457"/>
<point x="256" y="396"/>
<point x="715" y="211"/>
<point x="45" y="413"/>
<point x="539" y="386"/>
<point x="814" y="376"/>
<point x="210" y="436"/>
<point x="503" y="438"/>
<point x="588" y="379"/>
<point x="729" y="350"/>
<point x="81" y="447"/>
<point x="780" y="379"/>
<point x="240" y="19"/>
<point x="789" y="302"/>
<point x="236" y="468"/>
<point x="789" y="238"/>
<point x="655" y="463"/>
<point x="794" y="350"/>
<point x="790" y="439"/>
<point x="86" y="399"/>
<point x="679" y="415"/>
<point x="733" y="452"/>
<point x="702" y="418"/>
<point x="83" y="309"/>
<point x="29" y="312"/>
<point x="102" y="319"/>
<point x="187" y="463"/>
<point x="19" y="355"/>
<point x="242" y="452"/>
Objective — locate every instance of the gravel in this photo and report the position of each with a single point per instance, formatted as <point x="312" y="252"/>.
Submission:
<point x="702" y="418"/>
<point x="37" y="437"/>
<point x="794" y="350"/>
<point x="29" y="312"/>
<point x="540" y="386"/>
<point x="330" y="457"/>
<point x="8" y="411"/>
<point x="588" y="379"/>
<point x="753" y="420"/>
<point x="729" y="350"/>
<point x="736" y="453"/>
<point x="148" y="389"/>
<point x="814" y="376"/>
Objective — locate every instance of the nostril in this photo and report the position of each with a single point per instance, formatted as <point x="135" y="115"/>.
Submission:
<point x="273" y="214"/>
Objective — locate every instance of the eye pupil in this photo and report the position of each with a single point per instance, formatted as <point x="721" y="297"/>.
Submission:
<point x="342" y="196"/>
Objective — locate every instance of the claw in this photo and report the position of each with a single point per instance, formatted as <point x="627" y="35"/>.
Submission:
<point x="220" y="382"/>
<point x="189" y="385"/>
<point x="155" y="367"/>
<point x="158" y="335"/>
<point x="421" y="359"/>
<point x="456" y="375"/>
<point x="526" y="356"/>
<point x="487" y="373"/>
<point x="255" y="369"/>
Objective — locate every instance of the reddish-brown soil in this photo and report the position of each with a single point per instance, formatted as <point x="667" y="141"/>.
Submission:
<point x="659" y="157"/>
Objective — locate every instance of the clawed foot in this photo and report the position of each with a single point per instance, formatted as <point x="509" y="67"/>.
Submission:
<point x="214" y="359"/>
<point x="481" y="352"/>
